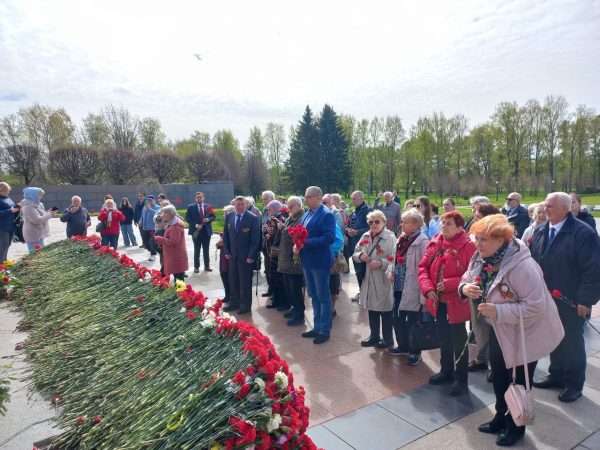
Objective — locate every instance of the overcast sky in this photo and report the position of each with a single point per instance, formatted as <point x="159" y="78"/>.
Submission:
<point x="265" y="60"/>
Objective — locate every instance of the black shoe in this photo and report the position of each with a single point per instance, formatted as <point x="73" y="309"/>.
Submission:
<point x="490" y="376"/>
<point x="320" y="339"/>
<point x="548" y="383"/>
<point x="384" y="344"/>
<point x="569" y="395"/>
<point x="266" y="294"/>
<point x="507" y="438"/>
<point x="371" y="341"/>
<point x="441" y="378"/>
<point x="476" y="365"/>
<point x="309" y="334"/>
<point x="396" y="351"/>
<point x="458" y="388"/>
<point x="272" y="306"/>
<point x="491" y="427"/>
<point x="196" y="270"/>
<point x="244" y="310"/>
<point x="207" y="269"/>
<point x="413" y="360"/>
<point x="295" y="322"/>
<point x="283" y="308"/>
<point x="230" y="308"/>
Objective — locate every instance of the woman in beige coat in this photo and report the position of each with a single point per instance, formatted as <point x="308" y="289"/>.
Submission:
<point x="506" y="283"/>
<point x="35" y="218"/>
<point x="377" y="248"/>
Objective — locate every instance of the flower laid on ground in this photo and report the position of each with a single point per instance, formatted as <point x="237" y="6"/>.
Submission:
<point x="130" y="370"/>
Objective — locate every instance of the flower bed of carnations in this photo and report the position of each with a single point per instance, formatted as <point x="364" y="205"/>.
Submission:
<point x="131" y="362"/>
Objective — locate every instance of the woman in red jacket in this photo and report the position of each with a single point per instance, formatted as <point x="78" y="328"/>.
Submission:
<point x="175" y="259"/>
<point x="446" y="259"/>
<point x="112" y="218"/>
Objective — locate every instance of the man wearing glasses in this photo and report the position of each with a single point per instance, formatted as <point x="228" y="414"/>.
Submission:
<point x="517" y="214"/>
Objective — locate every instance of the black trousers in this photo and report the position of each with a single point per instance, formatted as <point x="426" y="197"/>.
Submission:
<point x="240" y="282"/>
<point x="293" y="292"/>
<point x="203" y="241"/>
<point x="225" y="280"/>
<point x="267" y="269"/>
<point x="502" y="379"/>
<point x="178" y="276"/>
<point x="381" y="321"/>
<point x="402" y="321"/>
<point x="568" y="360"/>
<point x="453" y="339"/>
<point x="148" y="241"/>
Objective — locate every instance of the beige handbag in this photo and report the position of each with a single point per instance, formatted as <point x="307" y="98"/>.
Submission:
<point x="518" y="397"/>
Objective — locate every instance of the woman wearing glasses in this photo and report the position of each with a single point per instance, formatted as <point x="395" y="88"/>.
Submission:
<point x="430" y="225"/>
<point x="377" y="248"/>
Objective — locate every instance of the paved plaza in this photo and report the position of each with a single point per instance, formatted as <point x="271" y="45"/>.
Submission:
<point x="359" y="398"/>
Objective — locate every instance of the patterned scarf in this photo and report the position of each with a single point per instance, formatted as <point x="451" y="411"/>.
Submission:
<point x="488" y="276"/>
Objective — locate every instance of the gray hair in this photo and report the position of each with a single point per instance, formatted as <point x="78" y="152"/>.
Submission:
<point x="249" y="199"/>
<point x="169" y="209"/>
<point x="562" y="197"/>
<point x="388" y="194"/>
<point x="228" y="208"/>
<point x="377" y="214"/>
<point x="413" y="215"/>
<point x="269" y="194"/>
<point x="275" y="205"/>
<point x="294" y="199"/>
<point x="313" y="191"/>
<point x="516" y="195"/>
<point x="479" y="199"/>
<point x="336" y="198"/>
<point x="165" y="203"/>
<point x="328" y="198"/>
<point x="531" y="208"/>
<point x="75" y="197"/>
<point x="536" y="210"/>
<point x="359" y="193"/>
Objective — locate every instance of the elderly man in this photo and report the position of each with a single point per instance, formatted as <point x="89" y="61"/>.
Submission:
<point x="241" y="244"/>
<point x="330" y="205"/>
<point x="77" y="218"/>
<point x="517" y="214"/>
<point x="357" y="226"/>
<point x="568" y="251"/>
<point x="147" y="226"/>
<point x="317" y="259"/>
<point x="200" y="216"/>
<point x="391" y="210"/>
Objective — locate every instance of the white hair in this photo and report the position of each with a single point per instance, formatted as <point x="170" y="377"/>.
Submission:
<point x="479" y="199"/>
<point x="169" y="209"/>
<point x="562" y="197"/>
<point x="228" y="208"/>
<point x="75" y="197"/>
<point x="313" y="191"/>
<point x="250" y="200"/>
<point x="359" y="193"/>
<point x="294" y="199"/>
<point x="388" y="194"/>
<point x="269" y="194"/>
<point x="413" y="215"/>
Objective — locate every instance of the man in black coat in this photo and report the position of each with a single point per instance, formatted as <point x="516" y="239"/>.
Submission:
<point x="568" y="251"/>
<point x="200" y="216"/>
<point x="517" y="214"/>
<point x="138" y="208"/>
<point x="241" y="244"/>
<point x="357" y="226"/>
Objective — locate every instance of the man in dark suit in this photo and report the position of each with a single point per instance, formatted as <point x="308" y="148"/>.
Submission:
<point x="568" y="251"/>
<point x="241" y="244"/>
<point x="200" y="216"/>
<point x="317" y="259"/>
<point x="517" y="214"/>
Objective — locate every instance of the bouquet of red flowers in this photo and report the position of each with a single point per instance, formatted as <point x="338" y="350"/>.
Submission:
<point x="210" y="212"/>
<point x="299" y="235"/>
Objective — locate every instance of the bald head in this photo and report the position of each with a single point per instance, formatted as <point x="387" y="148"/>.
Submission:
<point x="313" y="196"/>
<point x="358" y="198"/>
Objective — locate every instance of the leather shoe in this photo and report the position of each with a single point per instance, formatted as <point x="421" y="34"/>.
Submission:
<point x="458" y="388"/>
<point x="207" y="269"/>
<point x="383" y="344"/>
<point x="548" y="383"/>
<point x="310" y="334"/>
<point x="476" y="365"/>
<point x="441" y="378"/>
<point x="506" y="438"/>
<point x="569" y="395"/>
<point x="295" y="322"/>
<point x="244" y="310"/>
<point x="320" y="339"/>
<point x="491" y="427"/>
<point x="196" y="270"/>
<point x="230" y="308"/>
<point x="371" y="341"/>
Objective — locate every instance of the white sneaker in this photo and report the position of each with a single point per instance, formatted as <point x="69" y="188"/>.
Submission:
<point x="152" y="258"/>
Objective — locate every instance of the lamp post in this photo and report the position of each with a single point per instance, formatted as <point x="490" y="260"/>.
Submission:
<point x="552" y="186"/>
<point x="413" y="192"/>
<point x="497" y="187"/>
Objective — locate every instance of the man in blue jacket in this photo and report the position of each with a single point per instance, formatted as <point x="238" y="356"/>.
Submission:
<point x="317" y="259"/>
<point x="241" y="244"/>
<point x="517" y="214"/>
<point x="355" y="229"/>
<point x="147" y="226"/>
<point x="200" y="217"/>
<point x="568" y="251"/>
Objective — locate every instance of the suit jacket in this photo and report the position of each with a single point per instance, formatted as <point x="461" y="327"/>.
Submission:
<point x="245" y="243"/>
<point x="317" y="252"/>
<point x="571" y="263"/>
<point x="192" y="216"/>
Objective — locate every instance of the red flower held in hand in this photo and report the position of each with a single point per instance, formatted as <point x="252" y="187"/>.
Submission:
<point x="363" y="242"/>
<point x="556" y="293"/>
<point x="488" y="268"/>
<point x="400" y="260"/>
<point x="477" y="279"/>
<point x="390" y="258"/>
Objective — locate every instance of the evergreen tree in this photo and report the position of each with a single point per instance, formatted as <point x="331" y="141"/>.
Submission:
<point x="256" y="173"/>
<point x="304" y="158"/>
<point x="334" y="168"/>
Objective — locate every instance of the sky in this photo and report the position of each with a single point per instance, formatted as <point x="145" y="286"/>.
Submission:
<point x="264" y="61"/>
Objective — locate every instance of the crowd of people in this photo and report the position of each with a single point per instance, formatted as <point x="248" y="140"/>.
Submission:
<point x="524" y="279"/>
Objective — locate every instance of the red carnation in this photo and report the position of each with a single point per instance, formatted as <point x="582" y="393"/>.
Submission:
<point x="363" y="242"/>
<point x="530" y="240"/>
<point x="140" y="298"/>
<point x="244" y="390"/>
<point x="477" y="279"/>
<point x="5" y="280"/>
<point x="37" y="246"/>
<point x="80" y="420"/>
<point x="97" y="419"/>
<point x="239" y="378"/>
<point x="400" y="260"/>
<point x="191" y="315"/>
<point x="488" y="268"/>
<point x="556" y="293"/>
<point x="390" y="258"/>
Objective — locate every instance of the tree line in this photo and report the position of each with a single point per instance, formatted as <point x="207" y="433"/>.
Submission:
<point x="535" y="147"/>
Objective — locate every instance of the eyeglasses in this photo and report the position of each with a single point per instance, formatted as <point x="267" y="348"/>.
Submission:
<point x="376" y="222"/>
<point x="417" y="206"/>
<point x="510" y="199"/>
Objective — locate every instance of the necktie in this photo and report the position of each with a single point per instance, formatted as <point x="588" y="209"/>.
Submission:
<point x="201" y="210"/>
<point x="238" y="220"/>
<point x="552" y="236"/>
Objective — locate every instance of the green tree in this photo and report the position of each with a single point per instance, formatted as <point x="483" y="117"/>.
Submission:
<point x="301" y="167"/>
<point x="255" y="170"/>
<point x="335" y="170"/>
<point x="275" y="152"/>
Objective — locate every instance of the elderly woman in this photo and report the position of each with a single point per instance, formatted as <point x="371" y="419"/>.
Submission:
<point x="403" y="272"/>
<point x="8" y="212"/>
<point x="475" y="202"/>
<point x="445" y="261"/>
<point x="271" y="241"/>
<point x="505" y="283"/>
<point x="223" y="261"/>
<point x="112" y="218"/>
<point x="160" y="225"/>
<point x="291" y="269"/>
<point x="430" y="226"/>
<point x="173" y="244"/>
<point x="376" y="248"/>
<point x="77" y="218"/>
<point x="35" y="217"/>
<point x="539" y="219"/>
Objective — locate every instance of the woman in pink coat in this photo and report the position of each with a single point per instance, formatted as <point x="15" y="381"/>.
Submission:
<point x="505" y="282"/>
<point x="173" y="244"/>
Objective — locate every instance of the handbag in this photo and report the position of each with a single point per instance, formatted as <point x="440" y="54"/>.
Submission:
<point x="518" y="397"/>
<point x="423" y="334"/>
<point x="100" y="227"/>
<point x="340" y="265"/>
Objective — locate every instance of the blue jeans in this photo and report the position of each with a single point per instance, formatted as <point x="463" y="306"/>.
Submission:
<point x="128" y="236"/>
<point x="31" y="245"/>
<point x="110" y="239"/>
<point x="317" y="286"/>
